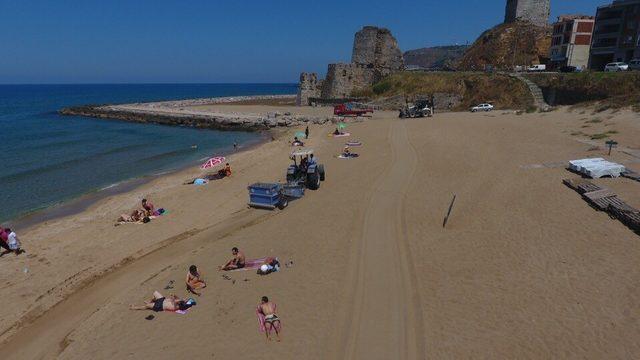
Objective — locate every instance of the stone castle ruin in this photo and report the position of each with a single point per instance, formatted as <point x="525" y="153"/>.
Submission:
<point x="375" y="55"/>
<point x="536" y="12"/>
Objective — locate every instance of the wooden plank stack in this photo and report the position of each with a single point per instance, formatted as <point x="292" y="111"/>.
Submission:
<point x="606" y="200"/>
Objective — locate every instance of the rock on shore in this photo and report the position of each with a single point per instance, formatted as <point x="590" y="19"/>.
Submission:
<point x="181" y="113"/>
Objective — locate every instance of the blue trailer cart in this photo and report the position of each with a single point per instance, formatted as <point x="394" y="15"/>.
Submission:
<point x="273" y="195"/>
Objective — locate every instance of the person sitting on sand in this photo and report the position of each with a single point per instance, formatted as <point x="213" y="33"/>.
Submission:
<point x="148" y="207"/>
<point x="194" y="280"/>
<point x="337" y="132"/>
<point x="269" y="265"/>
<point x="225" y="172"/>
<point x="346" y="151"/>
<point x="160" y="303"/>
<point x="237" y="262"/>
<point x="13" y="241"/>
<point x="4" y="238"/>
<point x="268" y="319"/>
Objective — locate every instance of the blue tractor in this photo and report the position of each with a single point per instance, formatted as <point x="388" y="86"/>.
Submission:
<point x="305" y="171"/>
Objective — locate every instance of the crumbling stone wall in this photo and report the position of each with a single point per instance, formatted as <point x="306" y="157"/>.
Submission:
<point x="309" y="87"/>
<point x="535" y="11"/>
<point x="343" y="79"/>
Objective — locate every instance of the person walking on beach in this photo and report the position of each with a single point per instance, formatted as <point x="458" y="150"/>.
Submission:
<point x="268" y="319"/>
<point x="235" y="146"/>
<point x="306" y="132"/>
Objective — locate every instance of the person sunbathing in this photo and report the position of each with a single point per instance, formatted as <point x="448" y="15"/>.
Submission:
<point x="337" y="132"/>
<point x="237" y="262"/>
<point x="194" y="280"/>
<point x="270" y="320"/>
<point x="160" y="303"/>
<point x="137" y="216"/>
<point x="297" y="142"/>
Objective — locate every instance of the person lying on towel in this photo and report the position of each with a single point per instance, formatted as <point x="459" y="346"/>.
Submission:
<point x="237" y="262"/>
<point x="160" y="303"/>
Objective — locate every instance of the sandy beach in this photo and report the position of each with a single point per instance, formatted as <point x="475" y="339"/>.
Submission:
<point x="524" y="268"/>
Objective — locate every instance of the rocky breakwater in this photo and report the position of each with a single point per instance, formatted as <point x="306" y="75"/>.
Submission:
<point x="187" y="113"/>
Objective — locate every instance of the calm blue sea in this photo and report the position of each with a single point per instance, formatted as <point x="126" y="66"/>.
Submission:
<point x="47" y="159"/>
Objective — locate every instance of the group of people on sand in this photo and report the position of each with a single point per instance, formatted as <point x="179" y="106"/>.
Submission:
<point x="142" y="215"/>
<point x="194" y="282"/>
<point x="9" y="242"/>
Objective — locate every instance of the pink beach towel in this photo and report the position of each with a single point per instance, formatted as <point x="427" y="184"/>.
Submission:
<point x="261" y="319"/>
<point x="252" y="264"/>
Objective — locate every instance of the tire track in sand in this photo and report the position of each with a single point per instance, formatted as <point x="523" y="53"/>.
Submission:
<point x="383" y="315"/>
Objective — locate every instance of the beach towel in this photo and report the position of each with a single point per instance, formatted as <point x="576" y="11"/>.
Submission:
<point x="342" y="135"/>
<point x="261" y="318"/>
<point x="353" y="143"/>
<point x="348" y="157"/>
<point x="252" y="264"/>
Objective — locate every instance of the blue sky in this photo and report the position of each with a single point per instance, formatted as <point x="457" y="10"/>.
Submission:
<point x="133" y="41"/>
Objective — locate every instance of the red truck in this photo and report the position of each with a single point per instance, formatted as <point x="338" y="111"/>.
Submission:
<point x="350" y="109"/>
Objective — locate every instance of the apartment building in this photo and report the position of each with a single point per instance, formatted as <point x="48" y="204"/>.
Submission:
<point x="571" y="41"/>
<point x="616" y="35"/>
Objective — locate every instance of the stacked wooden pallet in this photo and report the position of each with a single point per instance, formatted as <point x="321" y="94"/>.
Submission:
<point x="606" y="200"/>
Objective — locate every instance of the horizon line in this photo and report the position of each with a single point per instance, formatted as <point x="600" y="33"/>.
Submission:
<point x="152" y="83"/>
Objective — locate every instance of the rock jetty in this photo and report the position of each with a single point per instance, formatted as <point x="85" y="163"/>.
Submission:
<point x="183" y="113"/>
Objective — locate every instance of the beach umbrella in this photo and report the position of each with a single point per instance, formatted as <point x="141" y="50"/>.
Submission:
<point x="300" y="134"/>
<point x="342" y="125"/>
<point x="212" y="162"/>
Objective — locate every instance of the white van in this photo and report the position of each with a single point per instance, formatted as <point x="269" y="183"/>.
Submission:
<point x="539" y="67"/>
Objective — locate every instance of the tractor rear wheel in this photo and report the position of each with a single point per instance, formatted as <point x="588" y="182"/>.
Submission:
<point x="313" y="181"/>
<point x="320" y="170"/>
<point x="283" y="203"/>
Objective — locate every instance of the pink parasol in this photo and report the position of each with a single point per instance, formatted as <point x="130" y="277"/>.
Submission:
<point x="214" y="161"/>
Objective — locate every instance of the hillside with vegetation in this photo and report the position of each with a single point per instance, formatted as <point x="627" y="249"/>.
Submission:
<point x="502" y="91"/>
<point x="437" y="57"/>
<point x="507" y="45"/>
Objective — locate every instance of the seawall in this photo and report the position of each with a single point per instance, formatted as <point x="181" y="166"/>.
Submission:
<point x="182" y="113"/>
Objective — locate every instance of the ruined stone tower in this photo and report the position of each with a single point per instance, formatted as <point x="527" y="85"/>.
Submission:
<point x="308" y="88"/>
<point x="535" y="11"/>
<point x="375" y="55"/>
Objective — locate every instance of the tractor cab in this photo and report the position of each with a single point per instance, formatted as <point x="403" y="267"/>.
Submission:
<point x="305" y="170"/>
